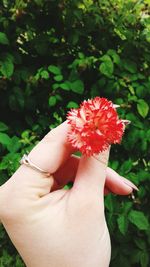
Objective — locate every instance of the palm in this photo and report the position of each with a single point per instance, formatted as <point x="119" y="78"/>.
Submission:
<point x="62" y="224"/>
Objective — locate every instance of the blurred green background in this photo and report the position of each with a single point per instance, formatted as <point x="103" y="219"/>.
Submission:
<point x="53" y="55"/>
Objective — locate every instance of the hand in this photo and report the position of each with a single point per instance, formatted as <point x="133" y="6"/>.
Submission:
<point x="51" y="226"/>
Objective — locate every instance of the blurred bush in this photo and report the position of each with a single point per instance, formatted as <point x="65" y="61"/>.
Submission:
<point x="54" y="54"/>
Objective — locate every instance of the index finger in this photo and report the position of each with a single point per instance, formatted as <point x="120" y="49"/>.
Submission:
<point x="53" y="150"/>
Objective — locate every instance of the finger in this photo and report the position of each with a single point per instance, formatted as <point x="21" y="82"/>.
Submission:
<point x="49" y="154"/>
<point x="91" y="174"/>
<point x="117" y="184"/>
<point x="114" y="182"/>
<point x="53" y="149"/>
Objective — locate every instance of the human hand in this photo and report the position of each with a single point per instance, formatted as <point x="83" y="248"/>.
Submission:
<point x="60" y="228"/>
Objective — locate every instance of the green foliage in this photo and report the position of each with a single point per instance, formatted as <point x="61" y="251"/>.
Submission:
<point x="138" y="219"/>
<point x="6" y="65"/>
<point x="107" y="66"/>
<point x="54" y="54"/>
<point x="3" y="38"/>
<point x="142" y="108"/>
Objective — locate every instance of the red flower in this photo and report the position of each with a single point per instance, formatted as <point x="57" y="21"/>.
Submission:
<point x="94" y="126"/>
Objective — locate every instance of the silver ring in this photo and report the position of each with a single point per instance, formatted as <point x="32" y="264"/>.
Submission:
<point x="27" y="161"/>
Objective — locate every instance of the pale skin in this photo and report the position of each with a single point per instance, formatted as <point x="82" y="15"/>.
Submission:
<point x="53" y="227"/>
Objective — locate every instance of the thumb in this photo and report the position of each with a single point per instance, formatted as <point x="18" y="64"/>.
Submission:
<point x="91" y="174"/>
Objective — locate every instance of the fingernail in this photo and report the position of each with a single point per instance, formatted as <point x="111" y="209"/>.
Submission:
<point x="129" y="183"/>
<point x="126" y="122"/>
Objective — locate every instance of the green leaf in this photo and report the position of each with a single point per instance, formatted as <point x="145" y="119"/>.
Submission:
<point x="120" y="33"/>
<point x="114" y="164"/>
<point x="18" y="262"/>
<point x="122" y="223"/>
<point x="107" y="68"/>
<point x="144" y="259"/>
<point x="14" y="145"/>
<point x="110" y="202"/>
<point x="126" y="166"/>
<point x="55" y="86"/>
<point x="7" y="258"/>
<point x="114" y="55"/>
<point x="140" y="91"/>
<point x="94" y="90"/>
<point x="148" y="36"/>
<point x="130" y="66"/>
<point x="65" y="86"/>
<point x="143" y="175"/>
<point x="77" y="87"/>
<point x="127" y="206"/>
<point x="7" y="66"/>
<point x="140" y="243"/>
<point x="55" y="70"/>
<point x="105" y="58"/>
<point x="52" y="101"/>
<point x="3" y="127"/>
<point x="58" y="78"/>
<point x="3" y="164"/>
<point x="39" y="2"/>
<point x="5" y="139"/>
<point x="72" y="104"/>
<point x="81" y="55"/>
<point x="131" y="89"/>
<point x="135" y="256"/>
<point x="138" y="219"/>
<point x="3" y="39"/>
<point x="142" y="108"/>
<point x="44" y="74"/>
<point x="148" y="134"/>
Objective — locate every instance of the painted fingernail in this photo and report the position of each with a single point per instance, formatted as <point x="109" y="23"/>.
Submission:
<point x="129" y="183"/>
